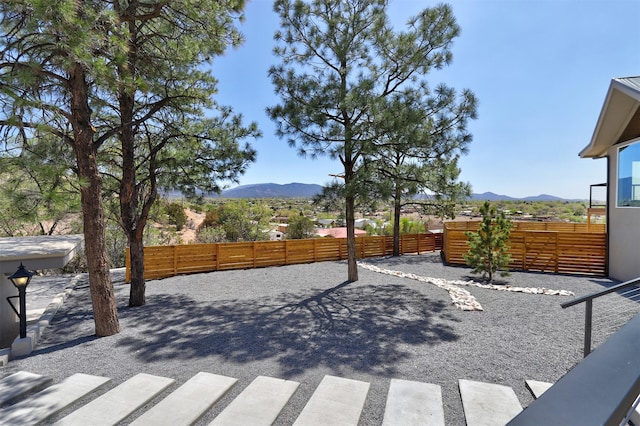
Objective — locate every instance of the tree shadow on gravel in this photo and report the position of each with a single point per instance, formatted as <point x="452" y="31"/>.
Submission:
<point x="367" y="328"/>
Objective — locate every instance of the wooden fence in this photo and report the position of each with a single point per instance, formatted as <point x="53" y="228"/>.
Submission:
<point x="167" y="261"/>
<point x="573" y="248"/>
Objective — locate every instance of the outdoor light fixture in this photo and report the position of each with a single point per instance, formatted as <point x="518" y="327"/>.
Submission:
<point x="20" y="280"/>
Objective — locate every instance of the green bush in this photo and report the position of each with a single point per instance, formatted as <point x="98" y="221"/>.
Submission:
<point x="300" y="227"/>
<point x="488" y="250"/>
<point x="176" y="214"/>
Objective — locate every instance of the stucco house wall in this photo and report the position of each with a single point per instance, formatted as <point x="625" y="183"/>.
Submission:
<point x="623" y="230"/>
<point x="618" y="126"/>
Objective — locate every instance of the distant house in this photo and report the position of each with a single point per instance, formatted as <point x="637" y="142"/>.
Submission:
<point x="275" y="235"/>
<point x="617" y="138"/>
<point x="362" y="223"/>
<point x="280" y="219"/>
<point x="338" y="232"/>
<point x="326" y="223"/>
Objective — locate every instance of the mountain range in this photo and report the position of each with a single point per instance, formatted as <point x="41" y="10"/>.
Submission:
<point x="306" y="190"/>
<point x="273" y="190"/>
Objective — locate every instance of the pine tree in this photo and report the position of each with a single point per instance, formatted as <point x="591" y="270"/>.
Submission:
<point x="340" y="61"/>
<point x="488" y="249"/>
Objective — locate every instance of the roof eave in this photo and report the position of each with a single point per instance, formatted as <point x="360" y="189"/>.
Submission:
<point x="620" y="104"/>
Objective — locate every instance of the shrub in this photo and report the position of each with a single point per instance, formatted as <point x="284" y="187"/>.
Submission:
<point x="176" y="214"/>
<point x="488" y="250"/>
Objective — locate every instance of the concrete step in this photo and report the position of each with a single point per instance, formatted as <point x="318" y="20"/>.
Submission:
<point x="537" y="388"/>
<point x="258" y="404"/>
<point x="51" y="400"/>
<point x="487" y="404"/>
<point x="189" y="402"/>
<point x="16" y="386"/>
<point x="413" y="403"/>
<point x="336" y="401"/>
<point x="117" y="404"/>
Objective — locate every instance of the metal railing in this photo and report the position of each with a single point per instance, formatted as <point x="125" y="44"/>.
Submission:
<point x="600" y="390"/>
<point x="588" y="308"/>
<point x="603" y="388"/>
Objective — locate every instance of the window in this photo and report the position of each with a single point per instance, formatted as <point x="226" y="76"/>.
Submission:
<point x="629" y="175"/>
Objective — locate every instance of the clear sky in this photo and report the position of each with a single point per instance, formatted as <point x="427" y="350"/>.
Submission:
<point x="539" y="68"/>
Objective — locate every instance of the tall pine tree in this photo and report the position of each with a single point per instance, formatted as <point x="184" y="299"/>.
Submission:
<point x="339" y="61"/>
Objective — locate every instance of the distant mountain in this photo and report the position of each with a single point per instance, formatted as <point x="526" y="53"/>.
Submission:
<point x="545" y="197"/>
<point x="306" y="190"/>
<point x="273" y="190"/>
<point x="490" y="196"/>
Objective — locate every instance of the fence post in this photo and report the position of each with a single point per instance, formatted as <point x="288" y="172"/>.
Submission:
<point x="557" y="254"/>
<point x="286" y="252"/>
<point x="588" y="315"/>
<point x="255" y="252"/>
<point x="175" y="260"/>
<point x="524" y="251"/>
<point x="315" y="249"/>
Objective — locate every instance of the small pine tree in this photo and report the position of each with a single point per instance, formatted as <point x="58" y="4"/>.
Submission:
<point x="488" y="250"/>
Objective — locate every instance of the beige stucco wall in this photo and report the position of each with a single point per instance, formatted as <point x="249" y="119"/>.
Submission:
<point x="624" y="229"/>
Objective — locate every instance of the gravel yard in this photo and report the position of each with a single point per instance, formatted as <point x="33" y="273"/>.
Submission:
<point x="302" y="322"/>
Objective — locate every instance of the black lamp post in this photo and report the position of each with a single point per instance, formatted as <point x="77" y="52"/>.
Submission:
<point x="21" y="279"/>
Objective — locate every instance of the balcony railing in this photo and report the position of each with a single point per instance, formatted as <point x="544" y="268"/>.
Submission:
<point x="603" y="387"/>
<point x="588" y="304"/>
<point x="600" y="390"/>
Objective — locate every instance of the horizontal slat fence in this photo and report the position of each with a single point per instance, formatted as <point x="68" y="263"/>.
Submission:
<point x="571" y="248"/>
<point x="168" y="261"/>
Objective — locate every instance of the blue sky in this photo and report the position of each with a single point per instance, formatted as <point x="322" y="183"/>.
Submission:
<point x="540" y="69"/>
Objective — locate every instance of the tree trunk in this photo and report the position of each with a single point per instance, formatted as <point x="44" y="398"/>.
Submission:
<point x="105" y="313"/>
<point x="138" y="286"/>
<point x="396" y="224"/>
<point x="352" y="254"/>
<point x="132" y="215"/>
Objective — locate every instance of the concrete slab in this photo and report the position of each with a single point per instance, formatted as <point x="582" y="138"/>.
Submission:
<point x="41" y="252"/>
<point x="258" y="404"/>
<point x="18" y="385"/>
<point x="487" y="404"/>
<point x="189" y="402"/>
<point x="635" y="414"/>
<point x="117" y="404"/>
<point x="23" y="346"/>
<point x="537" y="388"/>
<point x="49" y="401"/>
<point x="336" y="401"/>
<point x="413" y="403"/>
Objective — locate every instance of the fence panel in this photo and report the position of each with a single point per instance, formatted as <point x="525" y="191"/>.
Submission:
<point x="330" y="249"/>
<point x="270" y="254"/>
<point x="300" y="251"/>
<point x="374" y="246"/>
<point x="584" y="253"/>
<point x="574" y="248"/>
<point x="167" y="261"/>
<point x="192" y="258"/>
<point x="534" y="246"/>
<point x="236" y="256"/>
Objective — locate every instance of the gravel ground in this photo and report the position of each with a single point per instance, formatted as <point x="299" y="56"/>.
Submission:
<point x="302" y="322"/>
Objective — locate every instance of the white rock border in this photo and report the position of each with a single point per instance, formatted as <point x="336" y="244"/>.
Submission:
<point x="461" y="298"/>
